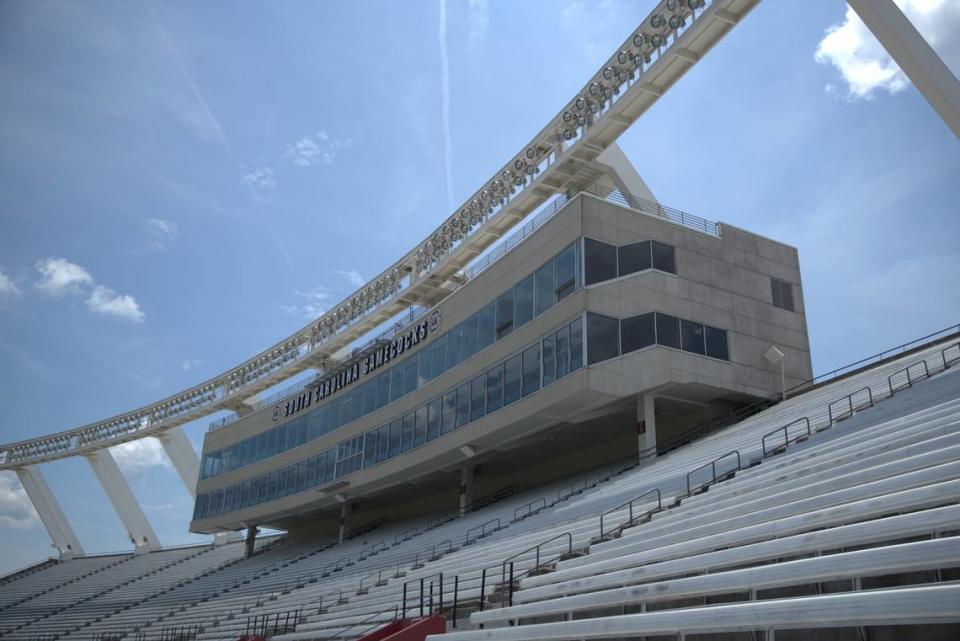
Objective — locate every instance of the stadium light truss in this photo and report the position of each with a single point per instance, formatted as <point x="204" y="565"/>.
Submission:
<point x="670" y="41"/>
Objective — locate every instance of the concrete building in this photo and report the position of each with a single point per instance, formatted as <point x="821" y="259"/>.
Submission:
<point x="615" y="325"/>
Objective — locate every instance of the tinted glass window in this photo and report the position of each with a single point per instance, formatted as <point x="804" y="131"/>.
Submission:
<point x="440" y="355"/>
<point x="463" y="404"/>
<point x="549" y="360"/>
<point x="634" y="258"/>
<point x="524" y="302"/>
<point x="453" y="346"/>
<point x="668" y="330"/>
<point x="410" y="376"/>
<point x="600" y="260"/>
<point x="433" y="419"/>
<point x="691" y="337"/>
<point x="663" y="258"/>
<point x="531" y="369"/>
<point x="637" y="332"/>
<point x="603" y="340"/>
<point x="513" y="371"/>
<point x="562" y="339"/>
<point x="369" y="448"/>
<point x="448" y="421"/>
<point x="576" y="344"/>
<point x="396" y="435"/>
<point x="407" y="432"/>
<point x="488" y="325"/>
<point x="495" y="388"/>
<point x="566" y="265"/>
<point x="717" y="343"/>
<point x="426" y="365"/>
<point x="468" y="340"/>
<point x="383" y="443"/>
<point x="478" y="395"/>
<point x="505" y="314"/>
<point x="544" y="285"/>
<point x="420" y="428"/>
<point x="396" y="383"/>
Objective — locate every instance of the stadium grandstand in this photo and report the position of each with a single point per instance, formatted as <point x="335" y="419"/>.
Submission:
<point x="571" y="412"/>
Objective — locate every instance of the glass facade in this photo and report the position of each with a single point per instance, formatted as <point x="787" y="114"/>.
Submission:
<point x="605" y="262"/>
<point x="653" y="328"/>
<point x="532" y="296"/>
<point x="519" y="375"/>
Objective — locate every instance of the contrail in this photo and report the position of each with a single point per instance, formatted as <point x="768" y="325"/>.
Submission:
<point x="445" y="91"/>
<point x="218" y="131"/>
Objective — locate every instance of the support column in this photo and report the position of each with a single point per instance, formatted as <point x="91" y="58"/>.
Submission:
<point x="646" y="427"/>
<point x="53" y="518"/>
<point x="915" y="57"/>
<point x="182" y="455"/>
<point x="466" y="488"/>
<point x="124" y="502"/>
<point x="251" y="540"/>
<point x="344" y="520"/>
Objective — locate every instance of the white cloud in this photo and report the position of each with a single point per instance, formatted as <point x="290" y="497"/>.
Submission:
<point x="316" y="148"/>
<point x="478" y="20"/>
<point x="7" y="286"/>
<point x="313" y="303"/>
<point x="16" y="510"/>
<point x="104" y="300"/>
<point x="864" y="63"/>
<point x="60" y="276"/>
<point x="353" y="277"/>
<point x="260" y="178"/>
<point x="140" y="455"/>
<point x="189" y="363"/>
<point x="163" y="233"/>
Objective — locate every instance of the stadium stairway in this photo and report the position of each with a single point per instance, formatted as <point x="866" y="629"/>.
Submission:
<point x="831" y="501"/>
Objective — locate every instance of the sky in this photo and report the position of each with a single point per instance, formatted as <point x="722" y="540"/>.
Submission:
<point x="182" y="186"/>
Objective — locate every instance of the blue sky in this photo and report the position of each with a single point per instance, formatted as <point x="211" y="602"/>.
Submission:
<point x="181" y="185"/>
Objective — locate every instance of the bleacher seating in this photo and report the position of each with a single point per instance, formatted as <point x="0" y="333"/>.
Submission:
<point x="850" y="529"/>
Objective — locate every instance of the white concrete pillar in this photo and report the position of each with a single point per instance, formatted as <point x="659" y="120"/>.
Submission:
<point x="646" y="427"/>
<point x="182" y="455"/>
<point x="344" y="520"/>
<point x="915" y="57"/>
<point x="466" y="488"/>
<point x="124" y="502"/>
<point x="53" y="518"/>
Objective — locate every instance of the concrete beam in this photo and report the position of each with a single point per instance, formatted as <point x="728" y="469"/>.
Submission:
<point x="139" y="531"/>
<point x="182" y="455"/>
<point x="53" y="518"/>
<point x="915" y="57"/>
<point x="620" y="174"/>
<point x="646" y="426"/>
<point x="466" y="488"/>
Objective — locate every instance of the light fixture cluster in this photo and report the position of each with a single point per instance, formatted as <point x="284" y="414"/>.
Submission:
<point x="370" y="296"/>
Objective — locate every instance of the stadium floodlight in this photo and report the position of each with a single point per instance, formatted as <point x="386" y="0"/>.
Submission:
<point x="775" y="357"/>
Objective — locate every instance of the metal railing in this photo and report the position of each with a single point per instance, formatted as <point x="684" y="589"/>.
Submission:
<point x="323" y="597"/>
<point x="483" y="530"/>
<point x="529" y="507"/>
<point x="575" y="488"/>
<point x="654" y="208"/>
<point x="267" y="625"/>
<point x="713" y="467"/>
<point x="786" y="436"/>
<point x="425" y="598"/>
<point x="910" y="377"/>
<point x="537" y="564"/>
<point x="629" y="504"/>
<point x="358" y="634"/>
<point x="851" y="406"/>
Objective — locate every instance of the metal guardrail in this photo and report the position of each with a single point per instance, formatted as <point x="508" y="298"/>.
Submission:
<point x="786" y="436"/>
<point x="851" y="406"/>
<point x="358" y="634"/>
<point x="629" y="504"/>
<point x="483" y="530"/>
<point x="910" y="378"/>
<point x="654" y="208"/>
<point x="323" y="597"/>
<point x="529" y="507"/>
<point x="575" y="488"/>
<point x="537" y="565"/>
<point x="268" y="625"/>
<point x="426" y="599"/>
<point x="713" y="467"/>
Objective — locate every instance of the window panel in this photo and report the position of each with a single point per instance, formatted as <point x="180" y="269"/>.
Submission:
<point x="369" y="448"/>
<point x="637" y="332"/>
<point x="440" y="355"/>
<point x="433" y="419"/>
<point x="566" y="266"/>
<point x="407" y="443"/>
<point x="562" y="338"/>
<point x="396" y="437"/>
<point x="478" y="396"/>
<point x="691" y="337"/>
<point x="544" y="285"/>
<point x="396" y="382"/>
<point x="420" y="427"/>
<point x="531" y="369"/>
<point x="468" y="339"/>
<point x="513" y="371"/>
<point x="383" y="443"/>
<point x="600" y="260"/>
<point x="356" y="404"/>
<point x="411" y="367"/>
<point x="603" y="338"/>
<point x="488" y="326"/>
<point x="576" y="344"/>
<point x="663" y="258"/>
<point x="634" y="258"/>
<point x="426" y="366"/>
<point x="383" y="389"/>
<point x="448" y="421"/>
<point x="314" y="425"/>
<point x="453" y="346"/>
<point x="505" y="314"/>
<point x="716" y="340"/>
<point x="495" y="388"/>
<point x="523" y="311"/>
<point x="463" y="404"/>
<point x="549" y="359"/>
<point x="668" y="330"/>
